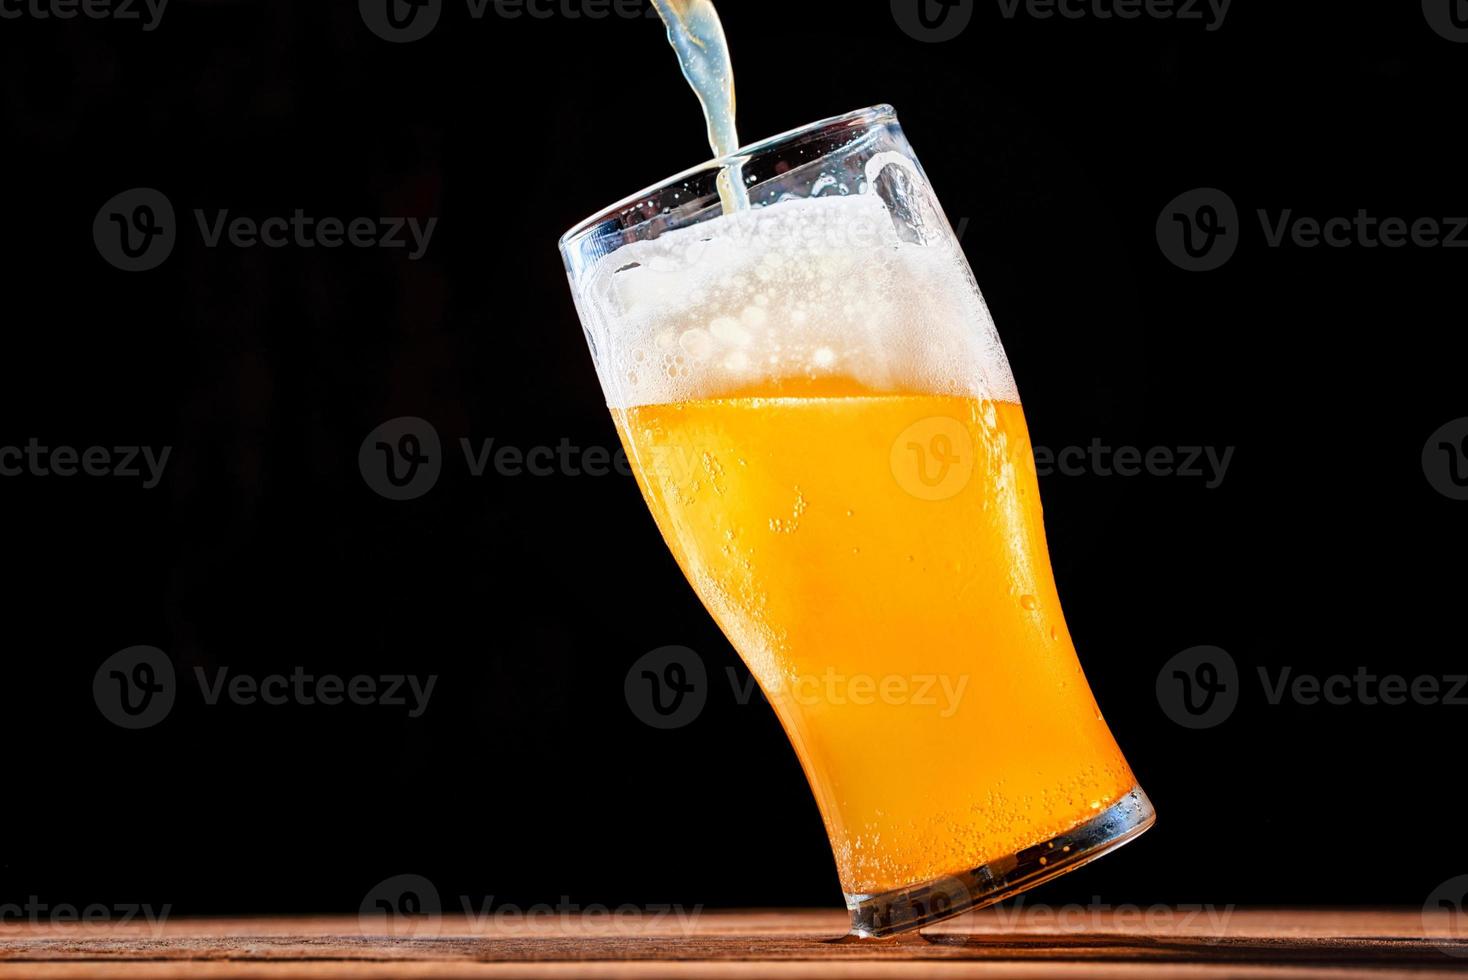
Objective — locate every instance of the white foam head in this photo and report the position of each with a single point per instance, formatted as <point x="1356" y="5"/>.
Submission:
<point x="801" y="289"/>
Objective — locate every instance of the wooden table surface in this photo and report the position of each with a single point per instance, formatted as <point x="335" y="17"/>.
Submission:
<point x="1028" y="942"/>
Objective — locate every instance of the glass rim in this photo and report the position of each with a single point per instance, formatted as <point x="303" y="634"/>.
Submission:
<point x="879" y="113"/>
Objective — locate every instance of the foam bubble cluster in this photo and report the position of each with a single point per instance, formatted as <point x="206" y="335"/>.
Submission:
<point x="802" y="289"/>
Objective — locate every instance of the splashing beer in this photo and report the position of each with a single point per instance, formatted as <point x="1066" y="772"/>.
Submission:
<point x="826" y="430"/>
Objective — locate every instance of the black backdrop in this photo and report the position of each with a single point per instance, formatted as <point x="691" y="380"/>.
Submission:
<point x="1057" y="142"/>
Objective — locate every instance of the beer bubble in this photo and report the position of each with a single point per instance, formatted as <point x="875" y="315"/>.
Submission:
<point x="728" y="331"/>
<point x="696" y="343"/>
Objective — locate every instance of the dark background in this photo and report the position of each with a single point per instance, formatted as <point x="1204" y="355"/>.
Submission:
<point x="528" y="778"/>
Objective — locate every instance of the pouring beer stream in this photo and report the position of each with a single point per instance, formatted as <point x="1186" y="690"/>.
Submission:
<point x="697" y="35"/>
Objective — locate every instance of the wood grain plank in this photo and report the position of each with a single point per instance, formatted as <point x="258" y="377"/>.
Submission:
<point x="1040" y="941"/>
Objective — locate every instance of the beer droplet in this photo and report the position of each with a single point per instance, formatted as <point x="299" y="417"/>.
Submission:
<point x="1029" y="602"/>
<point x="1054" y="635"/>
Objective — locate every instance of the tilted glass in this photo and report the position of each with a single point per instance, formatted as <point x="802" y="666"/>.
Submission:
<point x="825" y="427"/>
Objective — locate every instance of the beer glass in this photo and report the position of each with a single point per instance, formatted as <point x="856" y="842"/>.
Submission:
<point x="825" y="427"/>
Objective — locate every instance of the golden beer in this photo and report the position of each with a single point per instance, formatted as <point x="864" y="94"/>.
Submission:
<point x="824" y="425"/>
<point x="895" y="537"/>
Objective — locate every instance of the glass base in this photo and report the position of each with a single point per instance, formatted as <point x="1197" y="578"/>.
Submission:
<point x="904" y="909"/>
